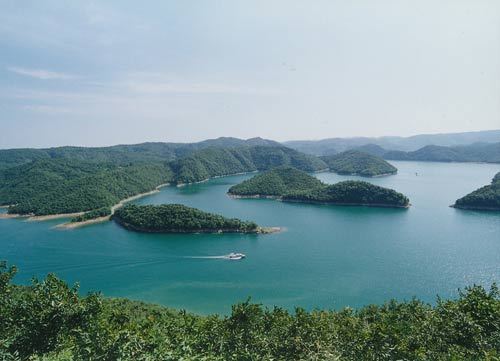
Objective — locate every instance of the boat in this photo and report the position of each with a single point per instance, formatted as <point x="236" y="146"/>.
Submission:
<point x="235" y="256"/>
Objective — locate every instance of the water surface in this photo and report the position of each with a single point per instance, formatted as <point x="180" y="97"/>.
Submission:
<point x="328" y="257"/>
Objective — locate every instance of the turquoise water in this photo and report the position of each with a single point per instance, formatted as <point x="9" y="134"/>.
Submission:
<point x="328" y="257"/>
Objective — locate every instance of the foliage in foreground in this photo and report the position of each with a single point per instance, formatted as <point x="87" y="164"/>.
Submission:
<point x="487" y="197"/>
<point x="177" y="218"/>
<point x="49" y="321"/>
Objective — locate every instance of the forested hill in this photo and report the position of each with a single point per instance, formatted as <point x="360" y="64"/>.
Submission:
<point x="66" y="186"/>
<point x="123" y="154"/>
<point x="177" y="218"/>
<point x="484" y="198"/>
<point x="351" y="193"/>
<point x="276" y="182"/>
<point x="354" y="162"/>
<point x="212" y="162"/>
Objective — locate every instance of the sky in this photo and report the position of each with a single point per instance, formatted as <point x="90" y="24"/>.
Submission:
<point x="113" y="72"/>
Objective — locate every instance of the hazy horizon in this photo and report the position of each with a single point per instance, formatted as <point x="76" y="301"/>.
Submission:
<point x="95" y="74"/>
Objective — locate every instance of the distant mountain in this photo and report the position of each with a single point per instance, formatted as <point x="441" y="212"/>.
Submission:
<point x="336" y="145"/>
<point x="479" y="152"/>
<point x="354" y="162"/>
<point x="124" y="154"/>
<point x="372" y="149"/>
<point x="484" y="198"/>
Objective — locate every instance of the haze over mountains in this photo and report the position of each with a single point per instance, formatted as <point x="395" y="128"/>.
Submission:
<point x="336" y="145"/>
<point x="482" y="146"/>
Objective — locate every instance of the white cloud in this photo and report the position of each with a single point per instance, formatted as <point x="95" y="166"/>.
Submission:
<point x="41" y="74"/>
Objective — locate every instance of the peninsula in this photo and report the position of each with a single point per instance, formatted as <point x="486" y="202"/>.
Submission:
<point x="293" y="185"/>
<point x="353" y="162"/>
<point x="177" y="218"/>
<point x="486" y="198"/>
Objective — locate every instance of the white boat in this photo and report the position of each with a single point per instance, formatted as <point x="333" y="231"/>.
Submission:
<point x="235" y="256"/>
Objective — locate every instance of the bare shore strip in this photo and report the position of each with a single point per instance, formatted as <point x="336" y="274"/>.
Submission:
<point x="73" y="225"/>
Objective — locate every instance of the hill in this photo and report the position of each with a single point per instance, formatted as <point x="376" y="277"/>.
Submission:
<point x="484" y="198"/>
<point x="335" y="145"/>
<point x="71" y="183"/>
<point x="351" y="193"/>
<point x="177" y="218"/>
<point x="47" y="187"/>
<point x="276" y="182"/>
<point x="479" y="152"/>
<point x="124" y="154"/>
<point x="212" y="162"/>
<point x="51" y="320"/>
<point x="295" y="186"/>
<point x="354" y="162"/>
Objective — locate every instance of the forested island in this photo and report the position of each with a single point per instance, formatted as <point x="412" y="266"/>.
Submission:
<point x="50" y="320"/>
<point x="485" y="198"/>
<point x="354" y="162"/>
<point x="177" y="218"/>
<point x="351" y="193"/>
<point x="275" y="183"/>
<point x="293" y="185"/>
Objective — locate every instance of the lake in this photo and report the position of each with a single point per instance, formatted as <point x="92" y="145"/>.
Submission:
<point x="327" y="257"/>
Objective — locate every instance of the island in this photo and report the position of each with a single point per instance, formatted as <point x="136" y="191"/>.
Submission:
<point x="354" y="162"/>
<point x="275" y="183"/>
<point x="486" y="198"/>
<point x="351" y="193"/>
<point x="292" y="185"/>
<point x="177" y="218"/>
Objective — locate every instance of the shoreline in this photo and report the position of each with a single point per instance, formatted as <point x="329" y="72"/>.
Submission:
<point x="214" y="177"/>
<point x="73" y="225"/>
<point x="280" y="198"/>
<point x="53" y="216"/>
<point x="475" y="208"/>
<point x="252" y="196"/>
<point x="381" y="205"/>
<point x="258" y="230"/>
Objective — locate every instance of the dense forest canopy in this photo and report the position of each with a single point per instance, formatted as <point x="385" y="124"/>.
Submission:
<point x="124" y="154"/>
<point x="70" y="186"/>
<point x="351" y="193"/>
<point x="276" y="182"/>
<point x="178" y="218"/>
<point x="355" y="162"/>
<point x="484" y="198"/>
<point x="211" y="162"/>
<point x="291" y="184"/>
<point x="49" y="320"/>
<point x="69" y="182"/>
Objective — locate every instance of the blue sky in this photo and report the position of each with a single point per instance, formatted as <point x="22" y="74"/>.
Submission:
<point x="108" y="72"/>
